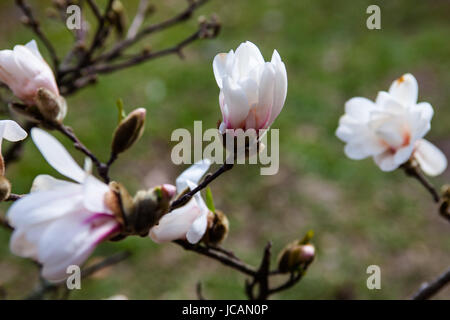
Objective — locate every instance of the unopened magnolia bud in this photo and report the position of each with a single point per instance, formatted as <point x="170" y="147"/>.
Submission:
<point x="218" y="226"/>
<point x="118" y="16"/>
<point x="52" y="107"/>
<point x="128" y="131"/>
<point x="149" y="207"/>
<point x="5" y="188"/>
<point x="445" y="191"/>
<point x="294" y="256"/>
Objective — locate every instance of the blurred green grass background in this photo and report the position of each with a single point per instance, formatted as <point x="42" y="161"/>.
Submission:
<point x="361" y="216"/>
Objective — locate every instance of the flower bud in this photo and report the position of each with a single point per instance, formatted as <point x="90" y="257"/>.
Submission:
<point x="294" y="256"/>
<point x="5" y="188"/>
<point x="128" y="131"/>
<point x="218" y="226"/>
<point x="52" y="107"/>
<point x="149" y="207"/>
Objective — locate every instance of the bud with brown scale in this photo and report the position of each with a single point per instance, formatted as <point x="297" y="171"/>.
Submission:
<point x="218" y="226"/>
<point x="297" y="254"/>
<point x="52" y="107"/>
<point x="137" y="215"/>
<point x="128" y="131"/>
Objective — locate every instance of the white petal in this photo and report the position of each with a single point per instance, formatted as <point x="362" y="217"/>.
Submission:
<point x="45" y="182"/>
<point x="280" y="90"/>
<point x="11" y="131"/>
<point x="431" y="160"/>
<point x="247" y="57"/>
<point x="56" y="155"/>
<point x="266" y="96"/>
<point x="236" y="103"/>
<point x="175" y="224"/>
<point x="386" y="161"/>
<point x="405" y="89"/>
<point x="197" y="229"/>
<point x="44" y="206"/>
<point x="219" y="68"/>
<point x="193" y="174"/>
<point x="359" y="108"/>
<point x="32" y="45"/>
<point x="94" y="195"/>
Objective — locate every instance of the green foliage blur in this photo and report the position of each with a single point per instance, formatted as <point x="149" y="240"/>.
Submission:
<point x="360" y="215"/>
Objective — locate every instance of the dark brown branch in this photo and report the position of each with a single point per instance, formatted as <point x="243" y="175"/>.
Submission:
<point x="429" y="289"/>
<point x="34" y="25"/>
<point x="413" y="170"/>
<point x="234" y="263"/>
<point x="294" y="278"/>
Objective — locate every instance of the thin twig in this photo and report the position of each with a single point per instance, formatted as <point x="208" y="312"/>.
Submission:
<point x="429" y="289"/>
<point x="414" y="171"/>
<point x="34" y="24"/>
<point x="198" y="290"/>
<point x="234" y="263"/>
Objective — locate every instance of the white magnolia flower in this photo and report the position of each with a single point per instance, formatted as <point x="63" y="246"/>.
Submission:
<point x="60" y="222"/>
<point x="191" y="220"/>
<point x="391" y="129"/>
<point x="10" y="131"/>
<point x="25" y="71"/>
<point x="252" y="92"/>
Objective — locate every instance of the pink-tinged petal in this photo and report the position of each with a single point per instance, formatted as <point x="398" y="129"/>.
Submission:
<point x="56" y="155"/>
<point x="175" y="224"/>
<point x="405" y="89"/>
<point x="21" y="246"/>
<point x="70" y="241"/>
<point x="280" y="89"/>
<point x="11" y="131"/>
<point x="236" y="103"/>
<point x="193" y="174"/>
<point x="431" y="160"/>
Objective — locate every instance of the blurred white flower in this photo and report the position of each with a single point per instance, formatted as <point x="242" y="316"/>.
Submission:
<point x="252" y="92"/>
<point x="10" y="131"/>
<point x="25" y="71"/>
<point x="60" y="222"/>
<point x="391" y="129"/>
<point x="191" y="220"/>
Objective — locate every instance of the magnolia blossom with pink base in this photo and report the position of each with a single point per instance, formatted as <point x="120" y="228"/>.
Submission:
<point x="60" y="222"/>
<point x="252" y="92"/>
<point x="391" y="129"/>
<point x="24" y="71"/>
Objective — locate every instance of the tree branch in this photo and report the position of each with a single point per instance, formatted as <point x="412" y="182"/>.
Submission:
<point x="429" y="289"/>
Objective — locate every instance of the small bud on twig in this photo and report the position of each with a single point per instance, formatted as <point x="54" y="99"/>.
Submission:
<point x="218" y="226"/>
<point x="128" y="131"/>
<point x="51" y="106"/>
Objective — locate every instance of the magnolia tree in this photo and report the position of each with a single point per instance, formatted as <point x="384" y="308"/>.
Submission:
<point x="59" y="223"/>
